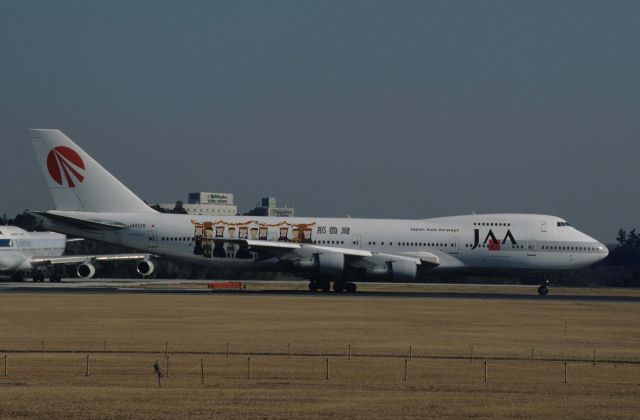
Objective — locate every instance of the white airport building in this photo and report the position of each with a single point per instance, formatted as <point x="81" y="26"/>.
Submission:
<point x="207" y="204"/>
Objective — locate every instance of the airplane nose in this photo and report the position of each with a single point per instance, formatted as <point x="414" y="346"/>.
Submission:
<point x="604" y="250"/>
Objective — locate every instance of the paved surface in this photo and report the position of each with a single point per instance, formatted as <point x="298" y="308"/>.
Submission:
<point x="165" y="287"/>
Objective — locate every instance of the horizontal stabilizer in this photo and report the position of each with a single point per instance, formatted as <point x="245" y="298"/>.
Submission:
<point x="76" y="222"/>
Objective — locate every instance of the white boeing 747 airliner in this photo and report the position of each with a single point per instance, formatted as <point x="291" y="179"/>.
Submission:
<point x="91" y="203"/>
<point x="38" y="253"/>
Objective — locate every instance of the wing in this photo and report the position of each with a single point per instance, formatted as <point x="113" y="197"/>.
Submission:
<point x="334" y="260"/>
<point x="79" y="259"/>
<point x="283" y="248"/>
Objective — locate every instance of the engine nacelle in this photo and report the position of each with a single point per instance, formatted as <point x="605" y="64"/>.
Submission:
<point x="305" y="263"/>
<point x="86" y="270"/>
<point x="145" y="267"/>
<point x="331" y="264"/>
<point x="404" y="271"/>
<point x="379" y="270"/>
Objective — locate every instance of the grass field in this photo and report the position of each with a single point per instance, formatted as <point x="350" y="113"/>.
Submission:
<point x="290" y="338"/>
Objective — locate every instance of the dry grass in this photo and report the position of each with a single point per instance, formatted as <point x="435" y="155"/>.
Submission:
<point x="441" y="382"/>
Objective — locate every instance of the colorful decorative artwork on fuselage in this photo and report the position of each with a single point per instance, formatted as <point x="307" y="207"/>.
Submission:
<point x="211" y="239"/>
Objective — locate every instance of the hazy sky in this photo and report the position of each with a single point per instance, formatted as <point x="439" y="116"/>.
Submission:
<point x="393" y="109"/>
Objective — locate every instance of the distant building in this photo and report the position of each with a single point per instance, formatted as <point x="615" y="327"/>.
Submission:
<point x="210" y="198"/>
<point x="268" y="207"/>
<point x="207" y="204"/>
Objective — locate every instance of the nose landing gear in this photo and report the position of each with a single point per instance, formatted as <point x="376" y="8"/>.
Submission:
<point x="544" y="288"/>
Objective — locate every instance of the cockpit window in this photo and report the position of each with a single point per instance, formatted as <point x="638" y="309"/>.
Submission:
<point x="561" y="224"/>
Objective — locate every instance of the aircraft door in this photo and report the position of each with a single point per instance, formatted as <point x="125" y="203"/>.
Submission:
<point x="531" y="248"/>
<point x="152" y="238"/>
<point x="453" y="245"/>
<point x="356" y="241"/>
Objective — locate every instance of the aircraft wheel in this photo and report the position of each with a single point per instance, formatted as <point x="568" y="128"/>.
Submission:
<point x="55" y="279"/>
<point x="313" y="286"/>
<point x="350" y="287"/>
<point x="325" y="286"/>
<point x="338" y="286"/>
<point x="543" y="290"/>
<point x="38" y="277"/>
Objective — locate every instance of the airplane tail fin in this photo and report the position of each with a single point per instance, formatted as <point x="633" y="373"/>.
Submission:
<point x="76" y="181"/>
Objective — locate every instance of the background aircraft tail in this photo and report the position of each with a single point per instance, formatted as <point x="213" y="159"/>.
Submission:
<point x="76" y="181"/>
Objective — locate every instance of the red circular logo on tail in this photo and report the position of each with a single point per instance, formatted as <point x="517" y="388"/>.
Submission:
<point x="65" y="164"/>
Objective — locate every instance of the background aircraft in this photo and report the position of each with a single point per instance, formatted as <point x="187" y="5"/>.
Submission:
<point x="336" y="252"/>
<point x="39" y="253"/>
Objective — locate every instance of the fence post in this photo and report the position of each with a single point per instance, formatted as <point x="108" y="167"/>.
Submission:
<point x="87" y="371"/>
<point x="405" y="370"/>
<point x="471" y="354"/>
<point x="5" y="365"/>
<point x="485" y="371"/>
<point x="167" y="366"/>
<point x="166" y="349"/>
<point x="532" y="355"/>
<point x="105" y="346"/>
<point x="288" y="350"/>
<point x="227" y="349"/>
<point x="594" y="356"/>
<point x="410" y="352"/>
<point x="349" y="352"/>
<point x="42" y="346"/>
<point x="565" y="372"/>
<point x="201" y="372"/>
<point x="248" y="367"/>
<point x="565" y="327"/>
<point x="327" y="361"/>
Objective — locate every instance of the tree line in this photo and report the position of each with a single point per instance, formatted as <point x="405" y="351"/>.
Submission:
<point x="620" y="269"/>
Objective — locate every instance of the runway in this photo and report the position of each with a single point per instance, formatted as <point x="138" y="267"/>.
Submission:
<point x="173" y="287"/>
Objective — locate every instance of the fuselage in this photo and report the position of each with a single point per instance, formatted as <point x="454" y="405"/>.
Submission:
<point x="490" y="243"/>
<point x="17" y="247"/>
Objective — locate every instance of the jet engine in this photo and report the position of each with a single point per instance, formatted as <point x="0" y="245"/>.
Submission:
<point x="86" y="270"/>
<point x="379" y="270"/>
<point x="145" y="267"/>
<point x="305" y="263"/>
<point x="404" y="271"/>
<point x="331" y="264"/>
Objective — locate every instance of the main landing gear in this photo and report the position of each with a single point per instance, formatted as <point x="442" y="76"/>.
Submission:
<point x="544" y="288"/>
<point x="338" y="286"/>
<point x="38" y="277"/>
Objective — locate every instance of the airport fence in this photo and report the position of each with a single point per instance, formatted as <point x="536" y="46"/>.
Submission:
<point x="102" y="362"/>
